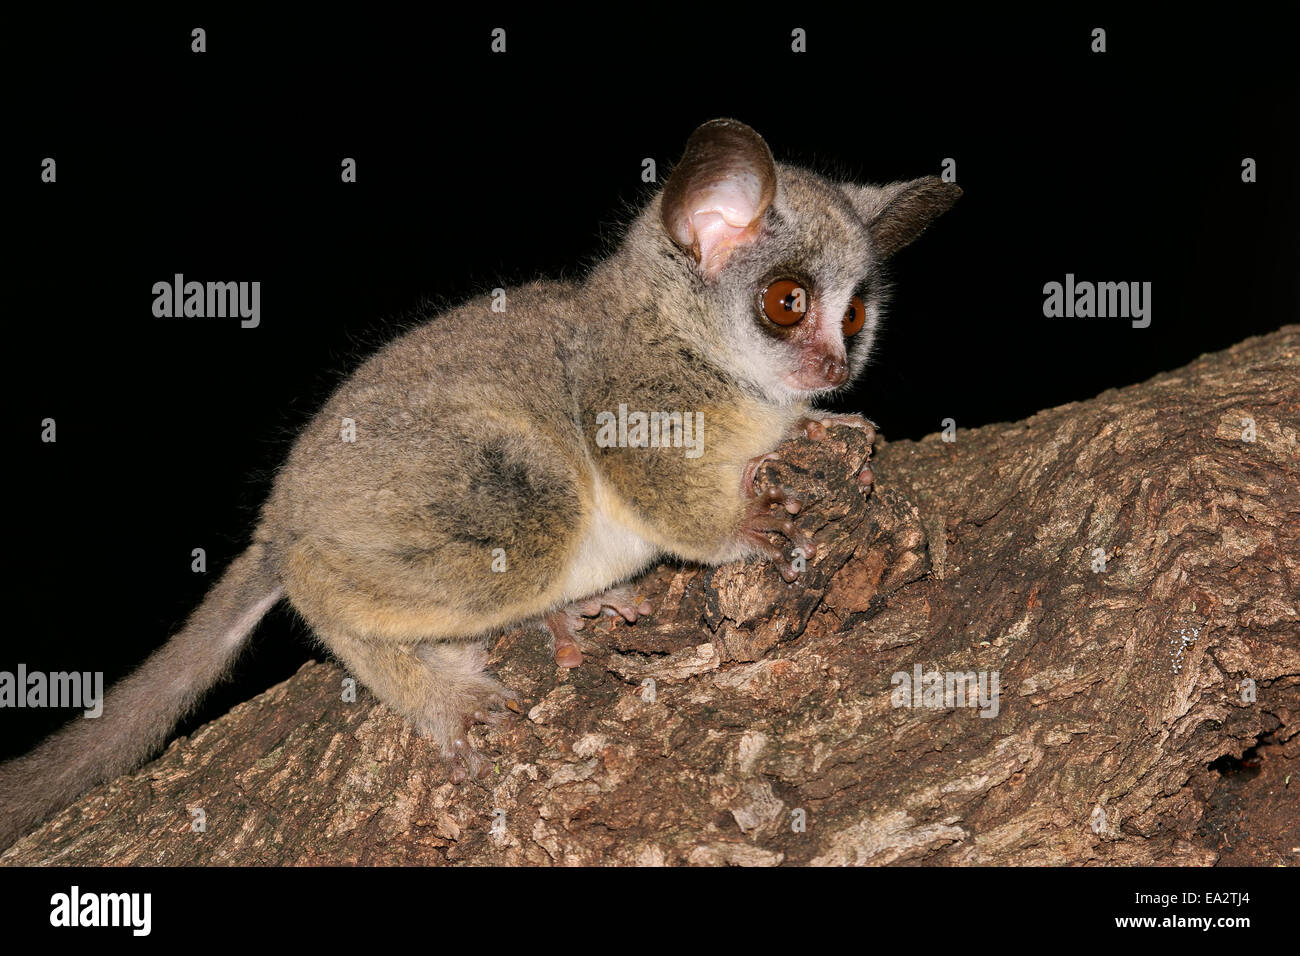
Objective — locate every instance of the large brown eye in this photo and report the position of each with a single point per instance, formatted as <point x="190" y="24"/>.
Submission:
<point x="855" y="317"/>
<point x="785" y="302"/>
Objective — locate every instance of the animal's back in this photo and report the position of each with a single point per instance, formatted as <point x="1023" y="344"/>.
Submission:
<point x="445" y="450"/>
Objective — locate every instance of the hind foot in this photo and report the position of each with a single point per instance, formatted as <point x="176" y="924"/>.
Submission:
<point x="466" y="695"/>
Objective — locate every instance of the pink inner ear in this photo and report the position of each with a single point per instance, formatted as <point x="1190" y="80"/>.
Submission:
<point x="722" y="217"/>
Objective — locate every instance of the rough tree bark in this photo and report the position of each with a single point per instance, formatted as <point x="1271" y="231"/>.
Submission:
<point x="773" y="703"/>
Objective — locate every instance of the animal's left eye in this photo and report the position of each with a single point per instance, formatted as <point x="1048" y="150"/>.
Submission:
<point x="855" y="317"/>
<point x="784" y="302"/>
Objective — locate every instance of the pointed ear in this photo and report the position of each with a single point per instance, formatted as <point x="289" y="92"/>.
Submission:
<point x="717" y="194"/>
<point x="898" y="213"/>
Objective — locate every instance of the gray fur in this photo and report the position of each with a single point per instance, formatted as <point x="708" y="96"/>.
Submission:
<point x="475" y="432"/>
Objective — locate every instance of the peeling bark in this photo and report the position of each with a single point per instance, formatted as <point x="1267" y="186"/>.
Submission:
<point x="705" y="733"/>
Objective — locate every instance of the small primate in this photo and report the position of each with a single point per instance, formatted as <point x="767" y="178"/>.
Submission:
<point x="468" y="478"/>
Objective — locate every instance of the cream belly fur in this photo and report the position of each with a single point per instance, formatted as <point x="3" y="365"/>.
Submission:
<point x="611" y="551"/>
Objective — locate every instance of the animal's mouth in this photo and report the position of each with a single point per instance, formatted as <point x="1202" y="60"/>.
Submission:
<point x="820" y="375"/>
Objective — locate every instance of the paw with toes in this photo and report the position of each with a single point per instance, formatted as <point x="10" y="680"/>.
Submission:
<point x="564" y="624"/>
<point x="467" y="698"/>
<point x="768" y="511"/>
<point x="816" y="428"/>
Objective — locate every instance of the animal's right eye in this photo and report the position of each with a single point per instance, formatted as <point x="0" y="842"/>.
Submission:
<point x="784" y="302"/>
<point x="855" y="317"/>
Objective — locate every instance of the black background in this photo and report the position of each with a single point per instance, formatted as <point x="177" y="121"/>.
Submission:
<point x="478" y="170"/>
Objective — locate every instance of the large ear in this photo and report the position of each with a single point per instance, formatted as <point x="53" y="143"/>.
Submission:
<point x="717" y="194"/>
<point x="898" y="213"/>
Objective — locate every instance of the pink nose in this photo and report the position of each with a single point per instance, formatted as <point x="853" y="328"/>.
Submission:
<point x="819" y="369"/>
<point x="834" y="371"/>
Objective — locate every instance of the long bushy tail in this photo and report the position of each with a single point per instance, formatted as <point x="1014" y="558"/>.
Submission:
<point x="140" y="711"/>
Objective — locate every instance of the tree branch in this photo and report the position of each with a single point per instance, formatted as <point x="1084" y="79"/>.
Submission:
<point x="775" y="703"/>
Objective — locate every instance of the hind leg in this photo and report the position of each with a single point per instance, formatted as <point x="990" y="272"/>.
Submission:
<point x="442" y="687"/>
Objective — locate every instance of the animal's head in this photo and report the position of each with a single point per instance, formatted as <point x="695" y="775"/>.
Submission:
<point x="788" y="263"/>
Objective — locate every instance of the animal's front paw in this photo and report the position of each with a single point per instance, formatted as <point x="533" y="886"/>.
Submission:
<point x="816" y="428"/>
<point x="565" y="623"/>
<point x="768" y="510"/>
